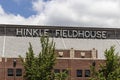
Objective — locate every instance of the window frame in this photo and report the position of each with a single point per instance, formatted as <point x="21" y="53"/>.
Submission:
<point x="78" y="72"/>
<point x="65" y="70"/>
<point x="87" y="73"/>
<point x="56" y="70"/>
<point x="19" y="73"/>
<point x="10" y="72"/>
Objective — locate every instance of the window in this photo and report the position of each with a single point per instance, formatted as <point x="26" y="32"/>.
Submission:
<point x="79" y="73"/>
<point x="87" y="73"/>
<point x="10" y="72"/>
<point x="18" y="72"/>
<point x="57" y="70"/>
<point x="65" y="70"/>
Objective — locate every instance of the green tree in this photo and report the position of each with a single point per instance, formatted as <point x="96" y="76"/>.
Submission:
<point x="61" y="75"/>
<point x="110" y="70"/>
<point x="40" y="67"/>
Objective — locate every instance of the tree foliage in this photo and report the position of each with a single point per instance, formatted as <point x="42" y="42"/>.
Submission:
<point x="40" y="67"/>
<point x="110" y="70"/>
<point x="61" y="75"/>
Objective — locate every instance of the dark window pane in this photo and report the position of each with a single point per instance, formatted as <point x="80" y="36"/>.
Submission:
<point x="79" y="73"/>
<point x="10" y="72"/>
<point x="57" y="70"/>
<point x="65" y="70"/>
<point x="18" y="72"/>
<point x="87" y="73"/>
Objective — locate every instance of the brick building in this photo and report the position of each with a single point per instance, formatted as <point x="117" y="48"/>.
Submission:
<point x="76" y="62"/>
<point x="76" y="48"/>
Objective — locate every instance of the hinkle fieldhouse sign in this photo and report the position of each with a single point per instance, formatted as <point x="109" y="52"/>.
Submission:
<point x="62" y="33"/>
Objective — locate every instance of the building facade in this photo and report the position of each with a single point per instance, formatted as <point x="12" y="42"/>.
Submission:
<point x="76" y="62"/>
<point x="76" y="48"/>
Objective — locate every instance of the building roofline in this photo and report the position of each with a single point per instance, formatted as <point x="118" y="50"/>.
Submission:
<point x="82" y="58"/>
<point x="57" y="26"/>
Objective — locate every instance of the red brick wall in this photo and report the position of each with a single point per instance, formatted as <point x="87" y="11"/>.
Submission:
<point x="8" y="64"/>
<point x="70" y="64"/>
<point x="74" y="64"/>
<point x="65" y="62"/>
<point x="66" y="53"/>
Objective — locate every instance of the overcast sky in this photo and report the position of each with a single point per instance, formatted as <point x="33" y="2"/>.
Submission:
<point x="96" y="13"/>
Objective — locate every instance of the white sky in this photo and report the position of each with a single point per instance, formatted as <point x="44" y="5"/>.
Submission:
<point x="96" y="13"/>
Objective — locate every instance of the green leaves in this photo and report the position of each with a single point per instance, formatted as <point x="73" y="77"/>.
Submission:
<point x="61" y="75"/>
<point x="40" y="67"/>
<point x="111" y="69"/>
